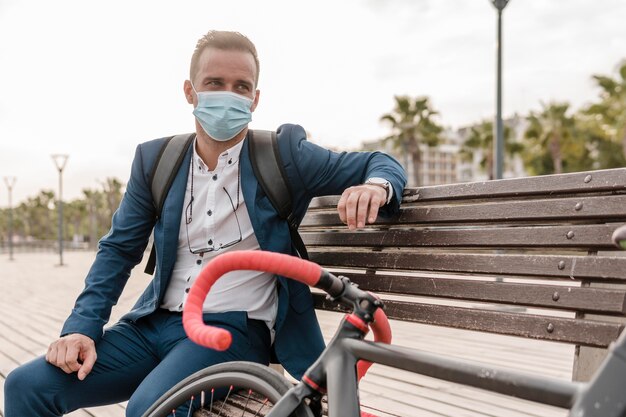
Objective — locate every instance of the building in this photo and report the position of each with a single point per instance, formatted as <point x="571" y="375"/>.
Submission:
<point x="444" y="164"/>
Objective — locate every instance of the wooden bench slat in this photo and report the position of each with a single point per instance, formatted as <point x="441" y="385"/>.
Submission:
<point x="581" y="208"/>
<point x="557" y="329"/>
<point x="531" y="295"/>
<point x="574" y="236"/>
<point x="607" y="180"/>
<point x="578" y="182"/>
<point x="558" y="266"/>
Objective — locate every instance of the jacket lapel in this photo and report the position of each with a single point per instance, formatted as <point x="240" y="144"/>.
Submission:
<point x="249" y="185"/>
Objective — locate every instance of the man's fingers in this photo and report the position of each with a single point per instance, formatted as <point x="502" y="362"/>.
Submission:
<point x="362" y="209"/>
<point x="89" y="359"/>
<point x="351" y="208"/>
<point x="341" y="206"/>
<point x="375" y="204"/>
<point x="51" y="354"/>
<point x="71" y="353"/>
<point x="71" y="357"/>
<point x="60" y="359"/>
<point x="360" y="204"/>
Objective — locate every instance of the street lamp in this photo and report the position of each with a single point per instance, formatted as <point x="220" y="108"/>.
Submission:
<point x="60" y="160"/>
<point x="10" y="182"/>
<point x="498" y="143"/>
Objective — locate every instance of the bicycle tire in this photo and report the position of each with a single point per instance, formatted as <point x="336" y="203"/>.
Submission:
<point x="260" y="379"/>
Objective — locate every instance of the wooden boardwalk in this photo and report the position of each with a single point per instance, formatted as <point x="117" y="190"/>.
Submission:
<point x="36" y="297"/>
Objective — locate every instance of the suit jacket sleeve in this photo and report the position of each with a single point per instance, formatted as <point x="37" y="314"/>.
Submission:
<point x="318" y="171"/>
<point x="119" y="251"/>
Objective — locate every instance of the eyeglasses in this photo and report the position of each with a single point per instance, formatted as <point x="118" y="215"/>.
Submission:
<point x="189" y="218"/>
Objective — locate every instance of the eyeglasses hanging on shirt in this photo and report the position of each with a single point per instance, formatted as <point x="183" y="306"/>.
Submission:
<point x="189" y="218"/>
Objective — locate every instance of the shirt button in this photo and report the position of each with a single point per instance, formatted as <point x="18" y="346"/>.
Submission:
<point x="186" y="289"/>
<point x="214" y="177"/>
<point x="209" y="212"/>
<point x="230" y="161"/>
<point x="210" y="241"/>
<point x="198" y="262"/>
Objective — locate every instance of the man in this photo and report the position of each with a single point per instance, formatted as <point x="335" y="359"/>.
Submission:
<point x="215" y="205"/>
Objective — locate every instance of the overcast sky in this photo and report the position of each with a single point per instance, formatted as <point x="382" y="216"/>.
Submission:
<point x="95" y="78"/>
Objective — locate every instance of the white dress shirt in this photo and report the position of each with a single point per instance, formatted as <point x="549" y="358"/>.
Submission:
<point x="211" y="222"/>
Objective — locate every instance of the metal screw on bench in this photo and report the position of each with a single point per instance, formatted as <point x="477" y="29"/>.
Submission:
<point x="498" y="144"/>
<point x="10" y="182"/>
<point x="60" y="160"/>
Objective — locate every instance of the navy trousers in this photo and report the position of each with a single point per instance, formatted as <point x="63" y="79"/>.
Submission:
<point x="137" y="362"/>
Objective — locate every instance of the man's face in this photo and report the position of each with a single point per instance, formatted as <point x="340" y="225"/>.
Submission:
<point x="224" y="70"/>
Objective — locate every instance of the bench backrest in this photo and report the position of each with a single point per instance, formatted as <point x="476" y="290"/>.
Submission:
<point x="529" y="257"/>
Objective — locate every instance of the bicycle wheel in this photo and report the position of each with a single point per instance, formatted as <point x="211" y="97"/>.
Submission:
<point x="243" y="389"/>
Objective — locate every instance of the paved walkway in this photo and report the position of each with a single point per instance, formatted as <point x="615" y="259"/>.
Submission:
<point x="36" y="297"/>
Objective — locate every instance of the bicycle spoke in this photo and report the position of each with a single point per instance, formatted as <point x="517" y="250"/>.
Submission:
<point x="190" y="406"/>
<point x="245" y="406"/>
<point x="232" y="389"/>
<point x="225" y="400"/>
<point x="262" y="405"/>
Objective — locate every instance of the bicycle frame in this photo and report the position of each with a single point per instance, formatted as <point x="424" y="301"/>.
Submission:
<point x="604" y="396"/>
<point x="336" y="368"/>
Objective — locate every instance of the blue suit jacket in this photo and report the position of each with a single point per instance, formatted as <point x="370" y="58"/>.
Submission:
<point x="312" y="171"/>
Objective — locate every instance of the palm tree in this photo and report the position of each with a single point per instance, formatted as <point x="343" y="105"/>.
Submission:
<point x="605" y="150"/>
<point x="481" y="139"/>
<point x="93" y="200"/>
<point x="611" y="110"/>
<point x="412" y="124"/>
<point x="75" y="213"/>
<point x="553" y="143"/>
<point x="112" y="189"/>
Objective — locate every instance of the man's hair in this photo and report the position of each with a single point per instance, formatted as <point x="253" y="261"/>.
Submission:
<point x="226" y="41"/>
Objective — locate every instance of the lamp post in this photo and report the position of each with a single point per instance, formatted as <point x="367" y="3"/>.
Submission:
<point x="60" y="160"/>
<point x="10" y="182"/>
<point x="498" y="143"/>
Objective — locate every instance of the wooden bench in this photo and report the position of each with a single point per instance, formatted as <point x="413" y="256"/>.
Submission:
<point x="529" y="257"/>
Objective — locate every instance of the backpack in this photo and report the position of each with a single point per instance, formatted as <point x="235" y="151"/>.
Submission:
<point x="266" y="164"/>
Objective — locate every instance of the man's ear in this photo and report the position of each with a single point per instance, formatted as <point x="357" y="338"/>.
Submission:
<point x="255" y="102"/>
<point x="188" y="90"/>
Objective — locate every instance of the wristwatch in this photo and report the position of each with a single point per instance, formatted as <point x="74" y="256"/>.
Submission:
<point x="380" y="182"/>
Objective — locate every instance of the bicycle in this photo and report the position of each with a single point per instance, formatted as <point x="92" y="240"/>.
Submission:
<point x="348" y="356"/>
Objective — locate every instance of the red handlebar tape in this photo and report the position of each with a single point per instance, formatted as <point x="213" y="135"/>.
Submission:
<point x="275" y="263"/>
<point x="382" y="333"/>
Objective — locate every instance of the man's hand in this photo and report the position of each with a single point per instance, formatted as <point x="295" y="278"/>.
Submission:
<point x="73" y="352"/>
<point x="359" y="203"/>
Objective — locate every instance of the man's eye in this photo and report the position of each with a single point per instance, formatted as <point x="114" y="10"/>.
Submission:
<point x="243" y="87"/>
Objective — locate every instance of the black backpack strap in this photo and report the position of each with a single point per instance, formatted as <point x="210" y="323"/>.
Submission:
<point x="270" y="172"/>
<point x="164" y="171"/>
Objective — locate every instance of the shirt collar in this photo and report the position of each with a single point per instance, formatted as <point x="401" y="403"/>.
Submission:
<point x="231" y="155"/>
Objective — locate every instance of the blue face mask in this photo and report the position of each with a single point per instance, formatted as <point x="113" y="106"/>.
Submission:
<point x="222" y="114"/>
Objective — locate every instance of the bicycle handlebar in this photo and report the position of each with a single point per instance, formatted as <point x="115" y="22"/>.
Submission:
<point x="220" y="339"/>
<point x="301" y="270"/>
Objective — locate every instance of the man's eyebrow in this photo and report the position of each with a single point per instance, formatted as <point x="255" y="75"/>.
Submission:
<point x="205" y="79"/>
<point x="246" y="82"/>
